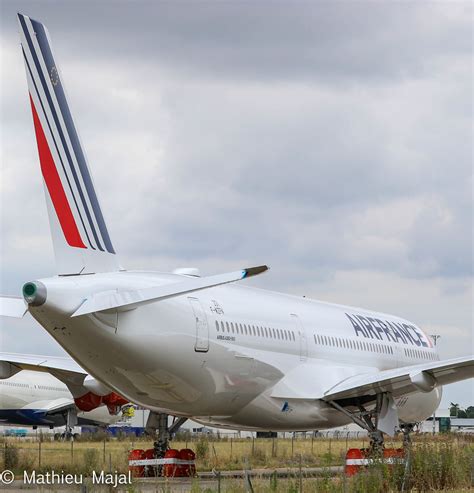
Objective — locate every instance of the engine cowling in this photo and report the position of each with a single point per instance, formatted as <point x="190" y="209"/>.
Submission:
<point x="90" y="400"/>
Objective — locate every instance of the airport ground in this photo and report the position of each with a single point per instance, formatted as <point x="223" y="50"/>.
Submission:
<point x="444" y="462"/>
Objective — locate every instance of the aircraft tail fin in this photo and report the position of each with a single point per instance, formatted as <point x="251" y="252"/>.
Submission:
<point x="80" y="237"/>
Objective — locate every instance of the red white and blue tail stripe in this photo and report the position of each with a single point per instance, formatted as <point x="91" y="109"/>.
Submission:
<point x="81" y="240"/>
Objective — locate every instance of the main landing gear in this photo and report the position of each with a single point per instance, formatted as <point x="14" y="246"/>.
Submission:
<point x="383" y="418"/>
<point x="70" y="418"/>
<point x="157" y="425"/>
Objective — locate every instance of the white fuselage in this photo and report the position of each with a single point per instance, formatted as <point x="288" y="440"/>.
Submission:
<point x="217" y="354"/>
<point x="28" y="397"/>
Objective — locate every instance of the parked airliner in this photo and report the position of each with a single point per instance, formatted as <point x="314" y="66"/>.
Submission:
<point x="31" y="398"/>
<point x="225" y="354"/>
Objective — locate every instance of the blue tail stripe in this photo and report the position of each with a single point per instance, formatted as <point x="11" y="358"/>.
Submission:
<point x="59" y="128"/>
<point x="71" y="129"/>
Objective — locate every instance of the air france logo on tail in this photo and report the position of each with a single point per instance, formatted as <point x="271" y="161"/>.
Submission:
<point x="62" y="159"/>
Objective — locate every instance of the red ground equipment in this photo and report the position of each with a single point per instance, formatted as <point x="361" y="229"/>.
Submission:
<point x="358" y="459"/>
<point x="136" y="470"/>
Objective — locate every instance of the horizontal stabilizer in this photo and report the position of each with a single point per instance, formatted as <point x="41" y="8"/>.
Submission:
<point x="11" y="306"/>
<point x="130" y="299"/>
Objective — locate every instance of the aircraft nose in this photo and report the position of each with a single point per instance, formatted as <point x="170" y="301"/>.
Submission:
<point x="34" y="293"/>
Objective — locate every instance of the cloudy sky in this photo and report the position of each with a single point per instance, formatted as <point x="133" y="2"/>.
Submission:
<point x="332" y="141"/>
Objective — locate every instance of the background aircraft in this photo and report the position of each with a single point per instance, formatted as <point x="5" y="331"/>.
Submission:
<point x="35" y="399"/>
<point x="179" y="344"/>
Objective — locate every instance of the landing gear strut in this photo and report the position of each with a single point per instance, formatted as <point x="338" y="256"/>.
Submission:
<point x="157" y="425"/>
<point x="406" y="429"/>
<point x="383" y="418"/>
<point x="70" y="417"/>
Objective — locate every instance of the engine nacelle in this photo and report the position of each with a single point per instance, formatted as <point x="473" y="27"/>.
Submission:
<point x="90" y="401"/>
<point x="96" y="387"/>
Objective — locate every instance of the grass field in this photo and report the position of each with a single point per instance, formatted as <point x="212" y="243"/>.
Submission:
<point x="441" y="462"/>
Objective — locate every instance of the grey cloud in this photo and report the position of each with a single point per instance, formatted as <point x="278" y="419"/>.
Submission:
<point x="322" y="40"/>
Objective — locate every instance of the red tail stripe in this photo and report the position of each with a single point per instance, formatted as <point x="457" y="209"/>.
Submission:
<point x="55" y="188"/>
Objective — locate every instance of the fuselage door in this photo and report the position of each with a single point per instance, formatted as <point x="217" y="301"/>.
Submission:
<point x="301" y="334"/>
<point x="202" y="329"/>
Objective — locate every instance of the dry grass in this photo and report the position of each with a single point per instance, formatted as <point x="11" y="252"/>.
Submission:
<point x="227" y="454"/>
<point x="440" y="462"/>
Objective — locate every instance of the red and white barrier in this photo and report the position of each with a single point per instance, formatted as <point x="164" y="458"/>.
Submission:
<point x="357" y="459"/>
<point x="176" y="463"/>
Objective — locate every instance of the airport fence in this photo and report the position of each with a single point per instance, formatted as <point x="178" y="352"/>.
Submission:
<point x="93" y="452"/>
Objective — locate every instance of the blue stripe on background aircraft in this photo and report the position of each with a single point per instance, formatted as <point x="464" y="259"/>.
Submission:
<point x="203" y="347"/>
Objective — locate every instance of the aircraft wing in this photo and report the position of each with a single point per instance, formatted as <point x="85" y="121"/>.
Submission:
<point x="340" y="383"/>
<point x="65" y="369"/>
<point x="402" y="381"/>
<point x="53" y="407"/>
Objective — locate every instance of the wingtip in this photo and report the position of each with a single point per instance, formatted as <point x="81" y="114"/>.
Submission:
<point x="254" y="271"/>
